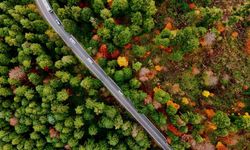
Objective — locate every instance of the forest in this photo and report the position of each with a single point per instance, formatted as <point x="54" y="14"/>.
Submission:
<point x="185" y="64"/>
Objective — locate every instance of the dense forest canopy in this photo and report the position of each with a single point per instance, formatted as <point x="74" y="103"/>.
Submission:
<point x="184" y="63"/>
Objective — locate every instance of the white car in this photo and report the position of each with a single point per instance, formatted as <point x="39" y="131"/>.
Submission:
<point x="47" y="6"/>
<point x="89" y="60"/>
<point x="58" y="22"/>
<point x="120" y="92"/>
<point x="72" y="40"/>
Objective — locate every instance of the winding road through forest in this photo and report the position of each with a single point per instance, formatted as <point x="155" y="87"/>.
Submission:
<point x="86" y="59"/>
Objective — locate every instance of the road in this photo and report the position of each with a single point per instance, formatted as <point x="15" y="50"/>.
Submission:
<point x="87" y="60"/>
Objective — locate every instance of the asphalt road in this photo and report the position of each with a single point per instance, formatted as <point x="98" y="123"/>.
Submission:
<point x="86" y="59"/>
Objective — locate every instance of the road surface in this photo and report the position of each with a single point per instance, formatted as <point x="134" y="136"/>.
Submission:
<point x="86" y="59"/>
